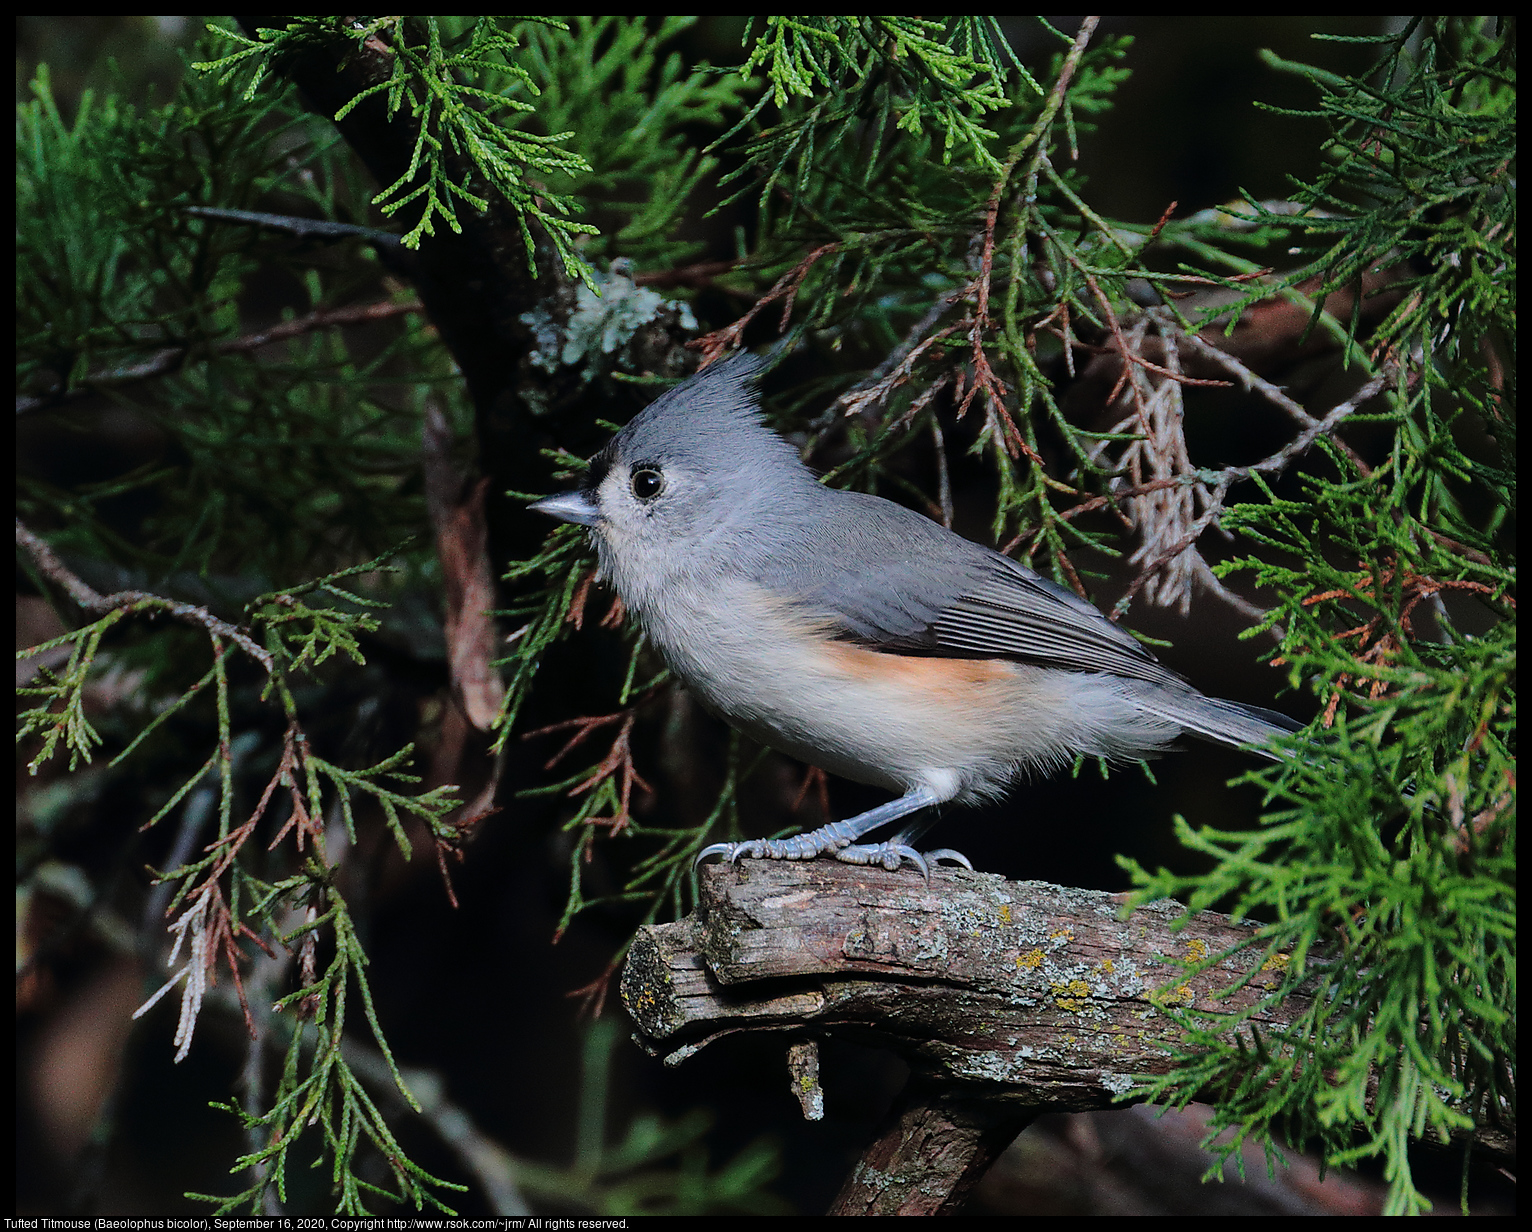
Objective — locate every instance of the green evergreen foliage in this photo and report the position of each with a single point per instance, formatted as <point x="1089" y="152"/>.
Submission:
<point x="267" y="471"/>
<point x="627" y="104"/>
<point x="426" y="85"/>
<point x="112" y="284"/>
<point x="916" y="72"/>
<point x="917" y="228"/>
<point x="1387" y="873"/>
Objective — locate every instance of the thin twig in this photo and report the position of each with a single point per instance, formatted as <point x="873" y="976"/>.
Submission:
<point x="716" y="343"/>
<point x="51" y="567"/>
<point x="984" y="377"/>
<point x="170" y="358"/>
<point x="1272" y="393"/>
<point x="1275" y="464"/>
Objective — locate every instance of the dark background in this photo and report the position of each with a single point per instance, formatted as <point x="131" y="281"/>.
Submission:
<point x="480" y="996"/>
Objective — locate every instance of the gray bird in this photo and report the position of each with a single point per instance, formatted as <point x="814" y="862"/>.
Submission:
<point x="858" y="635"/>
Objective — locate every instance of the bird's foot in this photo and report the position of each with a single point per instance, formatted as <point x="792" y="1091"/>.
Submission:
<point x="891" y="854"/>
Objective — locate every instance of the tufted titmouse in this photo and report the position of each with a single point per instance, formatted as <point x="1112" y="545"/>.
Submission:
<point x="857" y="635"/>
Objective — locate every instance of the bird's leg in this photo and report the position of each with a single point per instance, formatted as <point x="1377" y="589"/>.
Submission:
<point x="838" y="838"/>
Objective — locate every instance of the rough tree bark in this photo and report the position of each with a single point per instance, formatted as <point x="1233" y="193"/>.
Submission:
<point x="1008" y="999"/>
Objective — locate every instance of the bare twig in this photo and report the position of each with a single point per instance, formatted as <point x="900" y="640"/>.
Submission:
<point x="1273" y="465"/>
<point x="1272" y="393"/>
<point x="51" y="567"/>
<point x="718" y="342"/>
<point x="898" y="364"/>
<point x="170" y="358"/>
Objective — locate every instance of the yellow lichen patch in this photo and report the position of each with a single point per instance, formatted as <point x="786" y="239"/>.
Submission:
<point x="1070" y="994"/>
<point x="1174" y="997"/>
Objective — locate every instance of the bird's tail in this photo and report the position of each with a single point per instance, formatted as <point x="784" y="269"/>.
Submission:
<point x="1223" y="722"/>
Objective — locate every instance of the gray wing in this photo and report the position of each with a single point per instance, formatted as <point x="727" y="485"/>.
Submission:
<point x="1015" y="613"/>
<point x="896" y="580"/>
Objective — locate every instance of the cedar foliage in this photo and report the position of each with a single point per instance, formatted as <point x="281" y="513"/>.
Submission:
<point x="917" y="226"/>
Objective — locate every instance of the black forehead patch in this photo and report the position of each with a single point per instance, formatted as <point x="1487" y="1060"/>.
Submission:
<point x="600" y="467"/>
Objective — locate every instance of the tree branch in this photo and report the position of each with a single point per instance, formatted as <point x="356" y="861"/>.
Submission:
<point x="1008" y="999"/>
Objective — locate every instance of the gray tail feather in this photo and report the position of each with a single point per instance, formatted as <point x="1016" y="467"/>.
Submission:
<point x="1223" y="722"/>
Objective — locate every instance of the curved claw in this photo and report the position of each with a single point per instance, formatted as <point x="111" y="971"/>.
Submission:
<point x="756" y="849"/>
<point x="798" y="847"/>
<point x="838" y="837"/>
<point x="715" y="849"/>
<point x="946" y="853"/>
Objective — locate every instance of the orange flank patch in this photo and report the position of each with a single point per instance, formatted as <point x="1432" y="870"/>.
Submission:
<point x="924" y="675"/>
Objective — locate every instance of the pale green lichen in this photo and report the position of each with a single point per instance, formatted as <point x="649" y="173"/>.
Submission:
<point x="601" y="324"/>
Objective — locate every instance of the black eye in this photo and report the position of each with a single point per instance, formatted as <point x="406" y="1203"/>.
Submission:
<point x="646" y="482"/>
